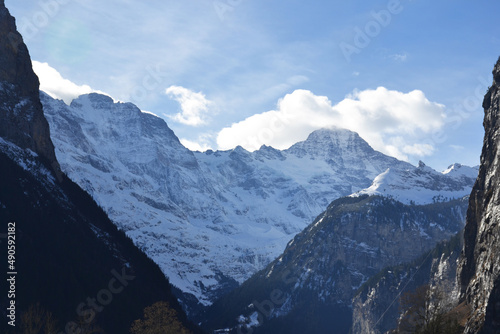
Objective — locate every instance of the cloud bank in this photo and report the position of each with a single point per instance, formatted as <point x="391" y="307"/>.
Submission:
<point x="52" y="83"/>
<point x="194" y="106"/>
<point x="395" y="123"/>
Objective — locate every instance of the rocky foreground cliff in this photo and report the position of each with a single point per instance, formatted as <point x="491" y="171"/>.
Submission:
<point x="479" y="270"/>
<point x="21" y="118"/>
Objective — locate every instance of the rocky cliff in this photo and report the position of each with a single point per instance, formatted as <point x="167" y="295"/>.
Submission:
<point x="479" y="270"/>
<point x="21" y="115"/>
<point x="377" y="305"/>
<point x="309" y="288"/>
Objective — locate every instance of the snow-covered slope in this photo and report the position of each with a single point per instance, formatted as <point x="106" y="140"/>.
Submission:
<point x="212" y="219"/>
<point x="423" y="185"/>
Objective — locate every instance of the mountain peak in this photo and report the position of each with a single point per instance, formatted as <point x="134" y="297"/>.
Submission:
<point x="94" y="100"/>
<point x="328" y="142"/>
<point x="331" y="134"/>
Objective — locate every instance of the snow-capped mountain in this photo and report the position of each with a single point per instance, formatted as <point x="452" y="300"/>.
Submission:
<point x="422" y="185"/>
<point x="212" y="219"/>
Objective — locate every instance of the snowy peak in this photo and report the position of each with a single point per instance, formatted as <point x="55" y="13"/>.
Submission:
<point x="94" y="101"/>
<point x="422" y="184"/>
<point x="325" y="143"/>
<point x="458" y="171"/>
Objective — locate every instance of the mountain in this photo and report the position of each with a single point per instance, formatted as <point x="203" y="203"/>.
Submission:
<point x="422" y="185"/>
<point x="309" y="288"/>
<point x="68" y="268"/>
<point x="212" y="219"/>
<point x="479" y="270"/>
<point x="377" y="306"/>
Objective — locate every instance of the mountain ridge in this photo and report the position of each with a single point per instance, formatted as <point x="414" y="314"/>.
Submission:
<point x="234" y="209"/>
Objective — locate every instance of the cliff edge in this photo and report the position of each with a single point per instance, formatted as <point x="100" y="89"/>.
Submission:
<point x="479" y="268"/>
<point x="22" y="121"/>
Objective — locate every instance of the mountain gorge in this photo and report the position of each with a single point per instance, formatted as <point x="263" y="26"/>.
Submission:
<point x="112" y="215"/>
<point x="212" y="219"/>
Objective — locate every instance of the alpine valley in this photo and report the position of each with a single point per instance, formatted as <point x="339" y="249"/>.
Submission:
<point x="111" y="219"/>
<point x="211" y="220"/>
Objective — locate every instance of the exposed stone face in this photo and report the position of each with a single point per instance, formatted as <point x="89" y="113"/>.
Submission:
<point x="21" y="115"/>
<point x="376" y="308"/>
<point x="326" y="264"/>
<point x="479" y="269"/>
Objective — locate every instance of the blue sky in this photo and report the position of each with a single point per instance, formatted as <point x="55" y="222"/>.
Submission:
<point x="407" y="75"/>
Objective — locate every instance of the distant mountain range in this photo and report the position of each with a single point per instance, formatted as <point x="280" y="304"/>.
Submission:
<point x="212" y="219"/>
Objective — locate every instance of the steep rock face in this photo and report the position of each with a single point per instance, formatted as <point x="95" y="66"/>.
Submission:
<point x="323" y="266"/>
<point x="480" y="264"/>
<point x="376" y="306"/>
<point x="21" y="115"/>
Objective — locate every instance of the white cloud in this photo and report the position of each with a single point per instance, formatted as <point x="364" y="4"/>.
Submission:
<point x="52" y="83"/>
<point x="392" y="122"/>
<point x="401" y="57"/>
<point x="194" y="106"/>
<point x="457" y="147"/>
<point x="419" y="149"/>
<point x="195" y="146"/>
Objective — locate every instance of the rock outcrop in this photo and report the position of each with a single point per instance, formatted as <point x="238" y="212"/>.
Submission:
<point x="377" y="305"/>
<point x="309" y="288"/>
<point x="21" y="115"/>
<point x="479" y="270"/>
